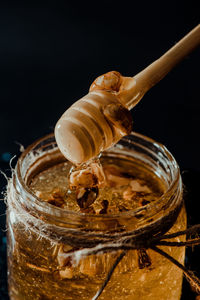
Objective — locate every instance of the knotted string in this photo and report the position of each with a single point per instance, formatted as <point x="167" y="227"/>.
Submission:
<point x="152" y="244"/>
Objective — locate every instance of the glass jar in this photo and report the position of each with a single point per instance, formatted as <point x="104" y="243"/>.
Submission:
<point x="39" y="234"/>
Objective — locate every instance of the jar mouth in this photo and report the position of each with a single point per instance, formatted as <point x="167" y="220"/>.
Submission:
<point x="159" y="158"/>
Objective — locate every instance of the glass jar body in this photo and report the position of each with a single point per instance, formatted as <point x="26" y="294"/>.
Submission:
<point x="37" y="264"/>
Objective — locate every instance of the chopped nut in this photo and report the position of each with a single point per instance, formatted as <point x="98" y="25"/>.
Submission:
<point x="83" y="178"/>
<point x="143" y="202"/>
<point x="114" y="177"/>
<point x="56" y="202"/>
<point x="108" y="81"/>
<point x="117" y="181"/>
<point x="144" y="260"/>
<point x="66" y="273"/>
<point x="88" y="210"/>
<point x="87" y="198"/>
<point x="56" y="197"/>
<point x="128" y="194"/>
<point x="138" y="187"/>
<point x="91" y="176"/>
<point x="57" y="193"/>
<point x="105" y="207"/>
<point x="98" y="171"/>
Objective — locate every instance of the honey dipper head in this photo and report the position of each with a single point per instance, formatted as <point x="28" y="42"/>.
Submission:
<point x="93" y="123"/>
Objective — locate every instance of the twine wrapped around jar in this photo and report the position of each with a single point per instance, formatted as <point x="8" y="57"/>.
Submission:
<point x="94" y="243"/>
<point x="89" y="234"/>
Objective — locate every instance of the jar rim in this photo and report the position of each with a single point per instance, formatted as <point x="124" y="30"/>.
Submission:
<point x="57" y="211"/>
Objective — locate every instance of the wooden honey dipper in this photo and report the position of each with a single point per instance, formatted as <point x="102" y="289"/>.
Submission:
<point x="102" y="117"/>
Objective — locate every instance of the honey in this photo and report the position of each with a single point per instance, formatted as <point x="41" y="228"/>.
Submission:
<point x="37" y="261"/>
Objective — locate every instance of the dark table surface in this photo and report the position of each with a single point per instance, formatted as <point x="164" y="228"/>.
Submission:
<point x="191" y="179"/>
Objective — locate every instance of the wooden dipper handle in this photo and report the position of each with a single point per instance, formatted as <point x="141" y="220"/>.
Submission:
<point x="151" y="75"/>
<point x="101" y="118"/>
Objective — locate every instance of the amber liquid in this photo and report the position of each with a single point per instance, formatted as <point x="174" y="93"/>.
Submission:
<point x="37" y="269"/>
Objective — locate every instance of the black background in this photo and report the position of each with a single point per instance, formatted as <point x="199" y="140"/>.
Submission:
<point x="50" y="52"/>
